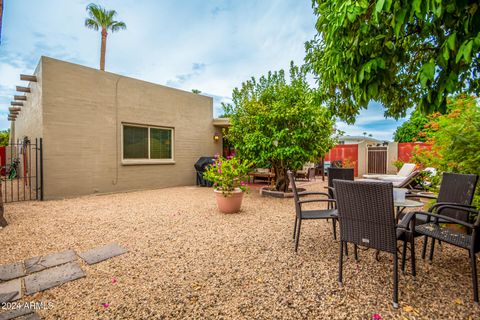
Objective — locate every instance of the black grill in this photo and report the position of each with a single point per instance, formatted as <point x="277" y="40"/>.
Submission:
<point x="200" y="167"/>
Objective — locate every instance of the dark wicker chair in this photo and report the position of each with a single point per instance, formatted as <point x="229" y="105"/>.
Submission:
<point x="470" y="242"/>
<point x="455" y="189"/>
<point x="302" y="214"/>
<point x="305" y="175"/>
<point x="366" y="217"/>
<point x="339" y="174"/>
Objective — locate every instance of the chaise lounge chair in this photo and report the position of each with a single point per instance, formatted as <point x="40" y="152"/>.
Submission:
<point x="406" y="170"/>
<point x="398" y="182"/>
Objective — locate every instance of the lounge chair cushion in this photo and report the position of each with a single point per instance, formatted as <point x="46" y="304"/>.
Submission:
<point x="404" y="172"/>
<point x="392" y="178"/>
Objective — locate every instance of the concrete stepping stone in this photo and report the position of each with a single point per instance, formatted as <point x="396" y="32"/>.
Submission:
<point x="11" y="271"/>
<point x="40" y="263"/>
<point x="15" y="313"/>
<point x="99" y="254"/>
<point x="31" y="316"/>
<point x="11" y="287"/>
<point x="53" y="277"/>
<point x="7" y="297"/>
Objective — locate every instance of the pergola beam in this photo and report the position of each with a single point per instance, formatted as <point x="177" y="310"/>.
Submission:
<point x="16" y="103"/>
<point x="20" y="98"/>
<point x="26" y="77"/>
<point x="23" y="89"/>
<point x="14" y="109"/>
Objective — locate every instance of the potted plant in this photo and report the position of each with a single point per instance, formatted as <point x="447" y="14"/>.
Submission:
<point x="229" y="177"/>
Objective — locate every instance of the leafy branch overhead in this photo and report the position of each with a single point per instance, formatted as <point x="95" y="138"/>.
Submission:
<point x="399" y="53"/>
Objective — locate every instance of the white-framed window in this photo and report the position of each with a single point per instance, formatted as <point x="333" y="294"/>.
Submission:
<point x="147" y="144"/>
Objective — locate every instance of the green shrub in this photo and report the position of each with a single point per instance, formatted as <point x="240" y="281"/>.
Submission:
<point x="228" y="174"/>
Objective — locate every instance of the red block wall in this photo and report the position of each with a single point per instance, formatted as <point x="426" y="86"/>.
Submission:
<point x="343" y="152"/>
<point x="405" y="149"/>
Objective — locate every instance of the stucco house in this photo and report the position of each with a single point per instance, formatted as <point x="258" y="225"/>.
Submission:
<point x="358" y="139"/>
<point x="103" y="132"/>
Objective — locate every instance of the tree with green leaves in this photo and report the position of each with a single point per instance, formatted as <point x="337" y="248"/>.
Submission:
<point x="279" y="123"/>
<point x="409" y="131"/>
<point x="100" y="18"/>
<point x="455" y="139"/>
<point x="5" y="137"/>
<point x="399" y="53"/>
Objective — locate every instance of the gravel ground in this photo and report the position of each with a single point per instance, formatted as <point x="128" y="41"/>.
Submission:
<point x="187" y="260"/>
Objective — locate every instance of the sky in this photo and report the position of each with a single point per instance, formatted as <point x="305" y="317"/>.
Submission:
<point x="212" y="46"/>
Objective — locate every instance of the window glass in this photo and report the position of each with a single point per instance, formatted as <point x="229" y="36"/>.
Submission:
<point x="160" y="143"/>
<point x="135" y="142"/>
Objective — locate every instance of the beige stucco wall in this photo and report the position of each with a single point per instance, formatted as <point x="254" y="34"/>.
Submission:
<point x="362" y="158"/>
<point x="83" y="112"/>
<point x="29" y="121"/>
<point x="392" y="156"/>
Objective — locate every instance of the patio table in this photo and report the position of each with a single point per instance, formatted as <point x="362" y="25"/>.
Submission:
<point x="402" y="205"/>
<point x="270" y="176"/>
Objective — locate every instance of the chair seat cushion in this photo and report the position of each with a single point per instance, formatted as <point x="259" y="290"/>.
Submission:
<point x="392" y="179"/>
<point x="444" y="234"/>
<point x="378" y="176"/>
<point x="319" y="214"/>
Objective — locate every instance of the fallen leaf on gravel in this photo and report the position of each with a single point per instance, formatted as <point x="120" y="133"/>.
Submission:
<point x="196" y="286"/>
<point x="458" y="301"/>
<point x="408" y="308"/>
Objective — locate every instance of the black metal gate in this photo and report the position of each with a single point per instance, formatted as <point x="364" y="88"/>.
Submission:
<point x="377" y="160"/>
<point x="22" y="171"/>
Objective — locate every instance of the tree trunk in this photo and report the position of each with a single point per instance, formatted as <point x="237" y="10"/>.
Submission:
<point x="282" y="182"/>
<point x="103" y="49"/>
<point x="3" y="222"/>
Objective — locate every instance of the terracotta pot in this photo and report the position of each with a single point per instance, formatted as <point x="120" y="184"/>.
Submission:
<point x="230" y="203"/>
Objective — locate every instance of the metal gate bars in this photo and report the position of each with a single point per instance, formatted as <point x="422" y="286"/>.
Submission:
<point x="22" y="171"/>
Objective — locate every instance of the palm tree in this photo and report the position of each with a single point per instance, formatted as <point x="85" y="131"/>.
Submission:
<point x="101" y="18"/>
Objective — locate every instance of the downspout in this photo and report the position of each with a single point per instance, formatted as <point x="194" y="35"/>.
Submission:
<point x="115" y="180"/>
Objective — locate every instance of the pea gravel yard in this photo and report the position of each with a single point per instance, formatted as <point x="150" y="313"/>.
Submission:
<point x="186" y="260"/>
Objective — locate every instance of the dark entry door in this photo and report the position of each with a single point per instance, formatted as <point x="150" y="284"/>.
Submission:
<point x="377" y="160"/>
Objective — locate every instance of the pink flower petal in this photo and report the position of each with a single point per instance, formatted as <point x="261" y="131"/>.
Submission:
<point x="106" y="305"/>
<point x="114" y="280"/>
